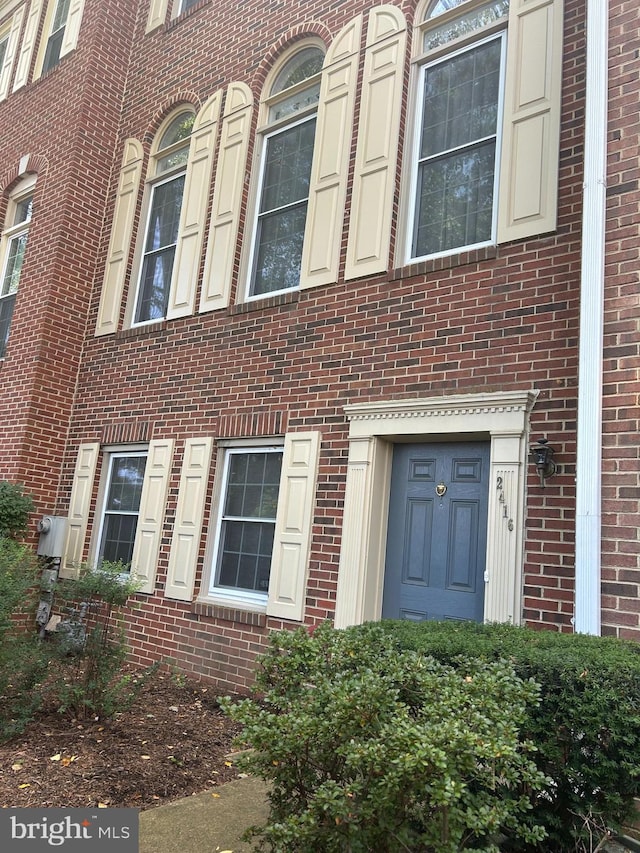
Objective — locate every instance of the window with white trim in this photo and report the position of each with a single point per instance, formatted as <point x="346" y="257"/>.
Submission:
<point x="246" y="522"/>
<point x="455" y="181"/>
<point x="56" y="35"/>
<point x="4" y="45"/>
<point x="121" y="506"/>
<point x="285" y="171"/>
<point x="183" y="5"/>
<point x="12" y="254"/>
<point x="165" y="193"/>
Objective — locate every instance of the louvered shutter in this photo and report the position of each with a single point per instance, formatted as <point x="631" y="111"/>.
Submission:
<point x="292" y="539"/>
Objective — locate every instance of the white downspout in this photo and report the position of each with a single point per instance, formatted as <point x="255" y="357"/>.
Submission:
<point x="589" y="427"/>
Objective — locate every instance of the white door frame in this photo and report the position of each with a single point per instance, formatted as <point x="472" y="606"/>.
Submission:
<point x="503" y="417"/>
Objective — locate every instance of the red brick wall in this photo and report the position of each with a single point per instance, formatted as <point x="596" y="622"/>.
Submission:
<point x="621" y="417"/>
<point x="67" y="122"/>
<point x="502" y="319"/>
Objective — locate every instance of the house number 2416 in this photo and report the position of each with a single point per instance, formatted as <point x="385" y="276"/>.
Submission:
<point x="503" y="501"/>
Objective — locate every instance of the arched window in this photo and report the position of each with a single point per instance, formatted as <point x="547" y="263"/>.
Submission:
<point x="285" y="169"/>
<point x="166" y="189"/>
<point x="460" y="104"/>
<point x="484" y="168"/>
<point x="12" y="252"/>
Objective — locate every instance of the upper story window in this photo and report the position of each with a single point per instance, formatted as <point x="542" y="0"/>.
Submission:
<point x="165" y="192"/>
<point x="183" y="5"/>
<point x="285" y="170"/>
<point x="56" y="35"/>
<point x="12" y="252"/>
<point x="455" y="182"/>
<point x="4" y="45"/>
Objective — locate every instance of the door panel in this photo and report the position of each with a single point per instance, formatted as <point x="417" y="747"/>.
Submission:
<point x="436" y="544"/>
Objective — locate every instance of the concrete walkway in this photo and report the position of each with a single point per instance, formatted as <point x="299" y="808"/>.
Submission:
<point x="211" y="822"/>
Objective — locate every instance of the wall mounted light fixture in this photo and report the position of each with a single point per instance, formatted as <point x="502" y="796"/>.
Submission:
<point x="542" y="458"/>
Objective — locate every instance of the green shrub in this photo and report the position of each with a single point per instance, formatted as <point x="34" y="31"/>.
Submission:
<point x="15" y="507"/>
<point x="91" y="643"/>
<point x="586" y="727"/>
<point x="369" y="748"/>
<point x="23" y="661"/>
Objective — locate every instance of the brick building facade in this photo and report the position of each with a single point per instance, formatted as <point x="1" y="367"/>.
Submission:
<point x="290" y="290"/>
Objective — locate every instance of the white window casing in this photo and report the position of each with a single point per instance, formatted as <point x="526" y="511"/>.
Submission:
<point x="153" y="501"/>
<point x="120" y="241"/>
<point x="187" y="531"/>
<point x="531" y="132"/>
<point x="28" y="44"/>
<point x="330" y="167"/>
<point x="10" y="53"/>
<point x="79" y="508"/>
<point x="296" y="501"/>
<point x="377" y="145"/>
<point x="227" y="198"/>
<point x="193" y="213"/>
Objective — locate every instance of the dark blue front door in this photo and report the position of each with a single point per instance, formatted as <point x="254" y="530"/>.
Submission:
<point x="437" y="537"/>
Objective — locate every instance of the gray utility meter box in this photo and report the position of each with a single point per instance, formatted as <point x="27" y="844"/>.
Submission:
<point x="52" y="530"/>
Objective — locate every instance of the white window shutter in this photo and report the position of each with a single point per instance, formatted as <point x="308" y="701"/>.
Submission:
<point x="182" y="293"/>
<point x="120" y="240"/>
<point x="330" y="167"/>
<point x="28" y="44"/>
<point x="79" y="507"/>
<point x="531" y="128"/>
<point x="153" y="502"/>
<point x="187" y="531"/>
<point x="292" y="539"/>
<point x="377" y="146"/>
<point x="227" y="198"/>
<point x="12" y="44"/>
<point x="157" y="14"/>
<point x="72" y="27"/>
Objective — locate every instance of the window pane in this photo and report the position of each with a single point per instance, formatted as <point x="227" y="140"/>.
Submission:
<point x="6" y="310"/>
<point x="62" y="13"/>
<point x="463" y="25"/>
<point x="455" y="200"/>
<point x="461" y="99"/>
<point x="303" y="65"/>
<point x="154" y="285"/>
<point x="157" y="264"/>
<point x="121" y="507"/>
<point x="24" y="209"/>
<point x="244" y="557"/>
<point x="164" y="218"/>
<point x="52" y="54"/>
<point x="4" y="42"/>
<point x="15" y="258"/>
<point x="118" y="535"/>
<point x="125" y="488"/>
<point x="280" y="237"/>
<point x="287" y="170"/>
<point x="179" y="128"/>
